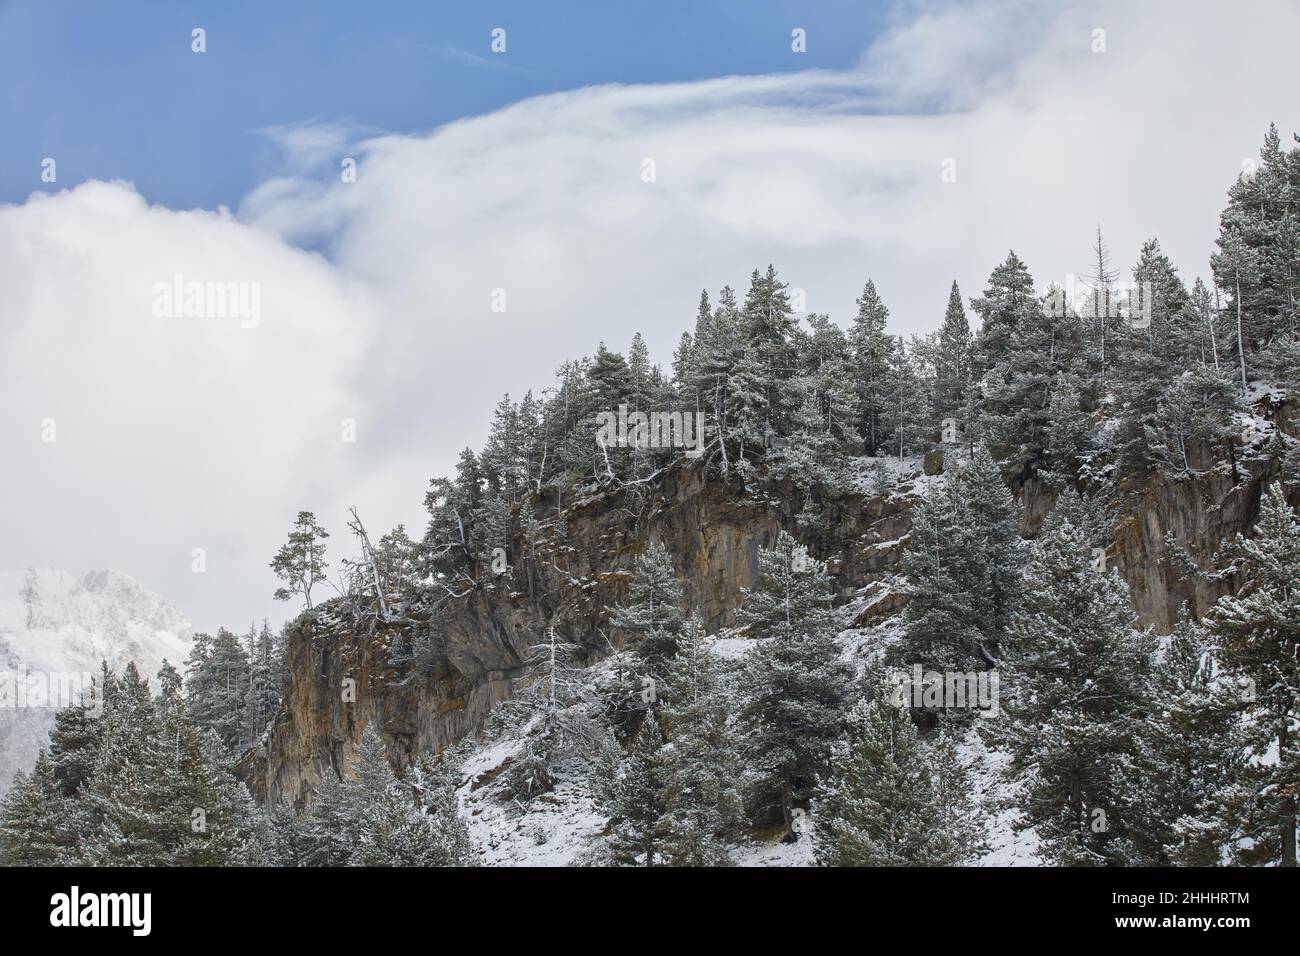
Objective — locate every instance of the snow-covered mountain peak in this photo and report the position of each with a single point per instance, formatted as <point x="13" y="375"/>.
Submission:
<point x="53" y="621"/>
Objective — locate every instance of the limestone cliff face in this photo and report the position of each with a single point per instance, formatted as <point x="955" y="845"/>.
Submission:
<point x="714" y="534"/>
<point x="342" y="679"/>
<point x="1201" y="514"/>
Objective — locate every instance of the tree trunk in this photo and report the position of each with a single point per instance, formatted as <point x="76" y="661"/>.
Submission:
<point x="1288" y="802"/>
<point x="1241" y="345"/>
<point x="1288" y="832"/>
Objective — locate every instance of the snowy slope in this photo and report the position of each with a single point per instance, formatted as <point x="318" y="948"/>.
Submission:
<point x="566" y="828"/>
<point x="53" y="621"/>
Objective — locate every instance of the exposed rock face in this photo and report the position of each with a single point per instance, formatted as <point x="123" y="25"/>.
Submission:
<point x="714" y="535"/>
<point x="1202" y="514"/>
<point x="714" y="538"/>
<point x="341" y="681"/>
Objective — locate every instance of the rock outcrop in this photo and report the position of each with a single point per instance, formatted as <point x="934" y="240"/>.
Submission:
<point x="1201" y="514"/>
<point x="343" y="678"/>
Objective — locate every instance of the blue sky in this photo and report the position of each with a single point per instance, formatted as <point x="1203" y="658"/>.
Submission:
<point x="113" y="91"/>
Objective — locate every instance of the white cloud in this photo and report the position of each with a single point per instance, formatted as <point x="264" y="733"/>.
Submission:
<point x="832" y="177"/>
<point x="170" y="433"/>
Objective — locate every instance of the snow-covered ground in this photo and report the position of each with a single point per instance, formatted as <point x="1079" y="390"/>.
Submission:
<point x="1007" y="847"/>
<point x="565" y="827"/>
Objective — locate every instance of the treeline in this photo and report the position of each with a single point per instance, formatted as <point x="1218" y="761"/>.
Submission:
<point x="141" y="783"/>
<point x="1121" y="388"/>
<point x="233" y="684"/>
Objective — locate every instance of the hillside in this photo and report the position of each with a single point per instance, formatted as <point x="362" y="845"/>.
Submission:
<point x="811" y="593"/>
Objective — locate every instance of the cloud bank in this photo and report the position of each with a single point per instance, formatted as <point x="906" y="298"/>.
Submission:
<point x="376" y="294"/>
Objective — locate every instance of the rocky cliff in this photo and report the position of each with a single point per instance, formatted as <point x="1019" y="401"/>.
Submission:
<point x="342" y="678"/>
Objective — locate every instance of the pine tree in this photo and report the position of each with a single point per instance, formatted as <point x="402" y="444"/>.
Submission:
<point x="327" y="833"/>
<point x="453" y="541"/>
<point x="533" y="442"/>
<point x="1004" y="306"/>
<point x="300" y="562"/>
<point x="127" y="796"/>
<point x="893" y="799"/>
<point x="611" y="381"/>
<point x="78" y="730"/>
<point x="717" y="350"/>
<point x="639" y="373"/>
<point x="1204" y="318"/>
<point x="1256" y="265"/>
<point x="941" y="630"/>
<point x="810" y="457"/>
<point x="873" y="352"/>
<point x="34" y="823"/>
<point x="557" y="697"/>
<point x="684" y="367"/>
<point x="331" y="831"/>
<point x="824" y="430"/>
<point x="792" y="682"/>
<point x="700" y="765"/>
<point x="210" y="814"/>
<point x="692" y="355"/>
<point x="1197" y="411"/>
<point x="266" y="679"/>
<point x="651" y="611"/>
<point x="1257" y="637"/>
<point x="1196" y="759"/>
<point x="1147" y="361"/>
<point x="1077" y="686"/>
<point x="160" y="793"/>
<point x="283" y="842"/>
<point x="953" y="365"/>
<point x="962" y="565"/>
<point x="995" y="552"/>
<point x="907" y="413"/>
<point x="217" y="687"/>
<point x="1025" y="350"/>
<point x="748" y="410"/>
<point x="830" y="369"/>
<point x="503" y="469"/>
<point x="1069" y="443"/>
<point x="413" y="822"/>
<point x="768" y="327"/>
<point x="1101" y="314"/>
<point x="637" y="806"/>
<point x="434" y="783"/>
